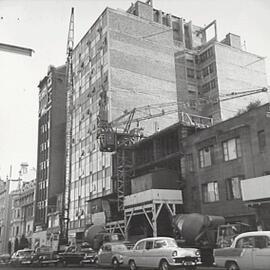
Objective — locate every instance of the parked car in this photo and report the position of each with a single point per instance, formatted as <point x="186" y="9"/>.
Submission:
<point x="161" y="253"/>
<point x="45" y="255"/>
<point x="112" y="254"/>
<point x="22" y="257"/>
<point x="249" y="251"/>
<point x="4" y="258"/>
<point x="90" y="256"/>
<point x="71" y="255"/>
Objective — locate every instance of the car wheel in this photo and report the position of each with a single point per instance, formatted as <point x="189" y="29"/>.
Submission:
<point x="61" y="264"/>
<point x="115" y="264"/>
<point x="232" y="266"/>
<point x="164" y="265"/>
<point x="132" y="265"/>
<point x="191" y="268"/>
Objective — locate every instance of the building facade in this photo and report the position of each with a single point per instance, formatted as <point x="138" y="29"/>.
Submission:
<point x="218" y="159"/>
<point x="117" y="66"/>
<point x="51" y="147"/>
<point x="27" y="201"/>
<point x="5" y="206"/>
<point x="139" y="57"/>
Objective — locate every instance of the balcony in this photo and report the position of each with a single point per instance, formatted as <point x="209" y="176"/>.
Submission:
<point x="255" y="189"/>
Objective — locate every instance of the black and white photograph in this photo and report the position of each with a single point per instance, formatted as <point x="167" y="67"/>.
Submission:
<point x="135" y="134"/>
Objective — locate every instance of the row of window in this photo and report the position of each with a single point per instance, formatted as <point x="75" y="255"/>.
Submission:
<point x="231" y="150"/>
<point x="204" y="56"/>
<point x="208" y="86"/>
<point x="208" y="70"/>
<point x="210" y="191"/>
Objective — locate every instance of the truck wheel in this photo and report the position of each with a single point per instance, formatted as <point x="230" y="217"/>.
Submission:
<point x="164" y="265"/>
<point x="132" y="265"/>
<point x="232" y="266"/>
<point x="115" y="264"/>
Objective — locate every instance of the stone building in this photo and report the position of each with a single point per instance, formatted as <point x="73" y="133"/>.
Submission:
<point x="5" y="205"/>
<point x="51" y="148"/>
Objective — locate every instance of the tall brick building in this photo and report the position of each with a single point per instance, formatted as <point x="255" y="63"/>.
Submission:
<point x="139" y="57"/>
<point x="51" y="147"/>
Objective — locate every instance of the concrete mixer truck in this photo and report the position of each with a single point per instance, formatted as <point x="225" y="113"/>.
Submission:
<point x="205" y="233"/>
<point x="96" y="235"/>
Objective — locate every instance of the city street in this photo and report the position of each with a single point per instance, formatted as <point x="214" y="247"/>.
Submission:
<point x="87" y="267"/>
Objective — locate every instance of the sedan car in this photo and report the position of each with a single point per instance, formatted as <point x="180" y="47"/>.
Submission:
<point x="22" y="257"/>
<point x="162" y="253"/>
<point x="90" y="256"/>
<point x="112" y="254"/>
<point x="249" y="251"/>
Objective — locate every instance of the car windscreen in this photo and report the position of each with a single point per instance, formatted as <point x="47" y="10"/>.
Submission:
<point x="171" y="243"/>
<point x="26" y="253"/>
<point x="119" y="248"/>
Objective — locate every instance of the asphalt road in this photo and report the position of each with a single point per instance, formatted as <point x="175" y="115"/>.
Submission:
<point x="85" y="267"/>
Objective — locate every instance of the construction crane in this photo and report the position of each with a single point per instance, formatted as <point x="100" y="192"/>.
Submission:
<point x="116" y="133"/>
<point x="69" y="105"/>
<point x="116" y="136"/>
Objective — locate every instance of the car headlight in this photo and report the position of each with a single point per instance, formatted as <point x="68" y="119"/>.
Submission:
<point x="174" y="254"/>
<point x="198" y="253"/>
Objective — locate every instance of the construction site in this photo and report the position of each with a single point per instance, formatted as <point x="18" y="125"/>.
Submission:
<point x="122" y="68"/>
<point x="150" y="119"/>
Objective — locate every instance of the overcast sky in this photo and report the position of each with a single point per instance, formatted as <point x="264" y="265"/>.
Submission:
<point x="43" y="26"/>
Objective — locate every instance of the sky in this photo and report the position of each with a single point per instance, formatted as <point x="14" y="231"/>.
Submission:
<point x="43" y="26"/>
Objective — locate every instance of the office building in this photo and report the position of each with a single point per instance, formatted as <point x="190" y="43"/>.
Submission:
<point x="51" y="148"/>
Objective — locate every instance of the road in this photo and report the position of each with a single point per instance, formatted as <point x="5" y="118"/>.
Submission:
<point x="86" y="267"/>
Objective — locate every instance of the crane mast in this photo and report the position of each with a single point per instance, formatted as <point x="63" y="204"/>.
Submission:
<point x="69" y="106"/>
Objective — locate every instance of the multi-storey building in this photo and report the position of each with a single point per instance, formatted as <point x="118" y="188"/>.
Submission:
<point x="217" y="160"/>
<point x="139" y="57"/>
<point x="221" y="68"/>
<point x="51" y="147"/>
<point x="4" y="215"/>
<point x="27" y="199"/>
<point x="15" y="220"/>
<point x="118" y="64"/>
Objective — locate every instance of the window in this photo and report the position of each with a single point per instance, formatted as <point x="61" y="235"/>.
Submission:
<point x="205" y="156"/>
<point x="246" y="242"/>
<point x="210" y="192"/>
<point x="149" y="245"/>
<point x="262" y="241"/>
<point x="140" y="245"/>
<point x="107" y="248"/>
<point x="261" y="139"/>
<point x="189" y="163"/>
<point x="160" y="243"/>
<point x="207" y="54"/>
<point x="231" y="149"/>
<point x="208" y="86"/>
<point x="190" y="73"/>
<point x="234" y="188"/>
